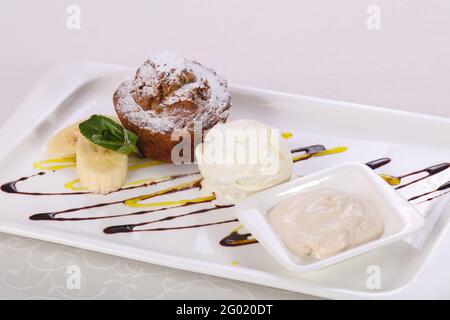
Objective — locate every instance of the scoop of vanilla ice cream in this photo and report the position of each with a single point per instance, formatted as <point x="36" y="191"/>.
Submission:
<point x="242" y="157"/>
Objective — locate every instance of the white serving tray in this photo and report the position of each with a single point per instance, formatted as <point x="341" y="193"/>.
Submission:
<point x="74" y="91"/>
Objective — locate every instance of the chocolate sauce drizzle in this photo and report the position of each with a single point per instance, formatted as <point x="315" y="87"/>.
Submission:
<point x="310" y="149"/>
<point x="431" y="171"/>
<point x="11" y="187"/>
<point x="127" y="228"/>
<point x="236" y="239"/>
<point x="435" y="197"/>
<point x="375" y="164"/>
<point x="52" y="215"/>
<point x="443" y="187"/>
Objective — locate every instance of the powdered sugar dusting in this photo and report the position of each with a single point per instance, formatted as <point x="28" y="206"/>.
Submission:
<point x="170" y="92"/>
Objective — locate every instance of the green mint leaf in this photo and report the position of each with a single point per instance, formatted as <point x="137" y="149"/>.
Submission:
<point x="108" y="134"/>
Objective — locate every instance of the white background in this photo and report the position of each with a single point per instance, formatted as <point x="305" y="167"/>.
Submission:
<point x="318" y="48"/>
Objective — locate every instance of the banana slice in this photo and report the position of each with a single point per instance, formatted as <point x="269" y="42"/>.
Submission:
<point x="100" y="170"/>
<point x="64" y="143"/>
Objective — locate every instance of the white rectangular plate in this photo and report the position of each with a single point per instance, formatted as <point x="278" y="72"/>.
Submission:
<point x="74" y="91"/>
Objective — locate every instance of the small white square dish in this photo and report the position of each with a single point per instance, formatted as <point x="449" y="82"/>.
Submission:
<point x="400" y="218"/>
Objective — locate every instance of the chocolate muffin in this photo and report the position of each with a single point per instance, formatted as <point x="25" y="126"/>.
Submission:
<point x="168" y="95"/>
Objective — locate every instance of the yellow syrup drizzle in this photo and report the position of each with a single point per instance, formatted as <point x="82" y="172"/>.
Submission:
<point x="56" y="164"/>
<point x="148" y="164"/>
<point x="393" y="181"/>
<point x="172" y="203"/>
<point x="147" y="181"/>
<point x="71" y="185"/>
<point x="320" y="153"/>
<point x="238" y="228"/>
<point x="135" y="202"/>
<point x="287" y="135"/>
<point x="71" y="162"/>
